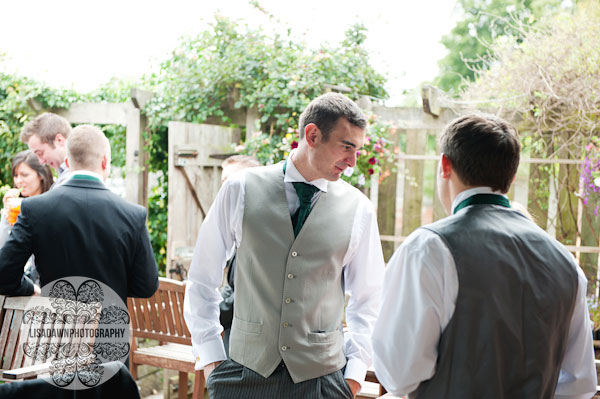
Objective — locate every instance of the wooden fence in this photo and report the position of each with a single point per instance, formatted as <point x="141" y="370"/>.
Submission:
<point x="548" y="188"/>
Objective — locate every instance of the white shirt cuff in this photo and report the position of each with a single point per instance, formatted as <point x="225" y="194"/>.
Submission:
<point x="209" y="352"/>
<point x="356" y="370"/>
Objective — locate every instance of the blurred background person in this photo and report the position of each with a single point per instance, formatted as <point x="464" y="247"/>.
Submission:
<point x="30" y="178"/>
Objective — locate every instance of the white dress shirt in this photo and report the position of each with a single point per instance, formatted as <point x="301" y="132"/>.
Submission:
<point x="419" y="296"/>
<point x="221" y="233"/>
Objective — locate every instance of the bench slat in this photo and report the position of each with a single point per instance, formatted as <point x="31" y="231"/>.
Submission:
<point x="8" y="315"/>
<point x="164" y="296"/>
<point x="12" y="339"/>
<point x="26" y="372"/>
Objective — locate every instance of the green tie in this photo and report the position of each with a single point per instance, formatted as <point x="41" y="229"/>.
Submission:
<point x="305" y="194"/>
<point x="479" y="199"/>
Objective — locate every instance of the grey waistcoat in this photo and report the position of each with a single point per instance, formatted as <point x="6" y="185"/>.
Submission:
<point x="289" y="300"/>
<point x="516" y="293"/>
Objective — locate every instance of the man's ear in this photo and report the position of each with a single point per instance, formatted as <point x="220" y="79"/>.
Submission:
<point x="59" y="139"/>
<point x="446" y="167"/>
<point x="105" y="162"/>
<point x="312" y="134"/>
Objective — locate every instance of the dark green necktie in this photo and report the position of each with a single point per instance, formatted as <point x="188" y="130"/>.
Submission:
<point x="305" y="194"/>
<point x="477" y="199"/>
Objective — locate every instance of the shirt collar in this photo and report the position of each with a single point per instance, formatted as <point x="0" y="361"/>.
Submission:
<point x="62" y="168"/>
<point x="86" y="173"/>
<point x="293" y="175"/>
<point x="463" y="195"/>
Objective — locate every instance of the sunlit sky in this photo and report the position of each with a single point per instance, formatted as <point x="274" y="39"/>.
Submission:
<point x="82" y="44"/>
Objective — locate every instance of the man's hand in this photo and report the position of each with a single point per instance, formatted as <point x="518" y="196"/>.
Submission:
<point x="209" y="369"/>
<point x="37" y="291"/>
<point x="354" y="387"/>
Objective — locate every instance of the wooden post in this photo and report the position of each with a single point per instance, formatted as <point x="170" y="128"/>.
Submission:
<point x="539" y="184"/>
<point x="136" y="158"/>
<point x="416" y="141"/>
<point x="590" y="237"/>
<point x="252" y="116"/>
<point x="386" y="204"/>
<point x="568" y="180"/>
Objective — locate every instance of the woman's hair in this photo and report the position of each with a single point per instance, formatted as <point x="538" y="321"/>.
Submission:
<point x="32" y="161"/>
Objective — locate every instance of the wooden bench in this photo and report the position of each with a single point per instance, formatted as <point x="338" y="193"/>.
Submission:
<point x="372" y="378"/>
<point x="161" y="318"/>
<point x="15" y="338"/>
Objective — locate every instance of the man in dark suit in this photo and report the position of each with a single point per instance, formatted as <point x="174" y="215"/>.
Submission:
<point x="81" y="229"/>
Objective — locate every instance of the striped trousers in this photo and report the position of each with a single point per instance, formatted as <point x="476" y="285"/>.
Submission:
<point x="231" y="380"/>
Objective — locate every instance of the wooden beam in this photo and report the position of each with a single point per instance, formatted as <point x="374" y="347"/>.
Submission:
<point x="140" y="97"/>
<point x="136" y="170"/>
<point x="97" y="113"/>
<point x="414" y="118"/>
<point x="431" y="101"/>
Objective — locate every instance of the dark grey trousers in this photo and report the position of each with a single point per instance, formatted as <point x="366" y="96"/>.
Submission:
<point x="231" y="380"/>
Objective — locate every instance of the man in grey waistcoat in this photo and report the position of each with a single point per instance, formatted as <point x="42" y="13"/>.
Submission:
<point x="46" y="136"/>
<point x="303" y="239"/>
<point x="483" y="303"/>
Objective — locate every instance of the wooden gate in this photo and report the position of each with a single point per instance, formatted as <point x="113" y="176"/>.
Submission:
<point x="195" y="156"/>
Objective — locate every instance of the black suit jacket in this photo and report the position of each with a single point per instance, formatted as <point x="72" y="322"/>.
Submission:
<point x="80" y="229"/>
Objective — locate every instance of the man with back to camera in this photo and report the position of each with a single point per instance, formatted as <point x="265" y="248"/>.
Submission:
<point x="81" y="229"/>
<point x="483" y="303"/>
<point x="46" y="136"/>
<point x="302" y="238"/>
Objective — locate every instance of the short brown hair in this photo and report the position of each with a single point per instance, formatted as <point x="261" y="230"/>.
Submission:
<point x="46" y="126"/>
<point x="484" y="150"/>
<point x="324" y="111"/>
<point x="86" y="146"/>
<point x="31" y="160"/>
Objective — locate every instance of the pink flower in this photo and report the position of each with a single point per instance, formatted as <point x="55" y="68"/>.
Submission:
<point x="371" y="171"/>
<point x="294" y="144"/>
<point x="372" y="161"/>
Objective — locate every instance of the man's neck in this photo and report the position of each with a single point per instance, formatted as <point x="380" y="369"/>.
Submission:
<point x="302" y="164"/>
<point x="85" y="172"/>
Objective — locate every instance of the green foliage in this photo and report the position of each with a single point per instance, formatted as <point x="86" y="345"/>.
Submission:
<point x="482" y="23"/>
<point x="157" y="224"/>
<point x="232" y="67"/>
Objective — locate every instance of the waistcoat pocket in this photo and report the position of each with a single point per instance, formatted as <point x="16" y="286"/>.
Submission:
<point x="324" y="337"/>
<point x="246" y="326"/>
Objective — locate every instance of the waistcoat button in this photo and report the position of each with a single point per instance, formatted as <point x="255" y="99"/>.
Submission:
<point x="288" y="300"/>
<point x="290" y="276"/>
<point x="294" y="254"/>
<point x="285" y="324"/>
<point x="284" y="348"/>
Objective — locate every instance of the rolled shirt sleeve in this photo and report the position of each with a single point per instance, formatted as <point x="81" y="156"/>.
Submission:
<point x="578" y="378"/>
<point x="219" y="233"/>
<point x="363" y="278"/>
